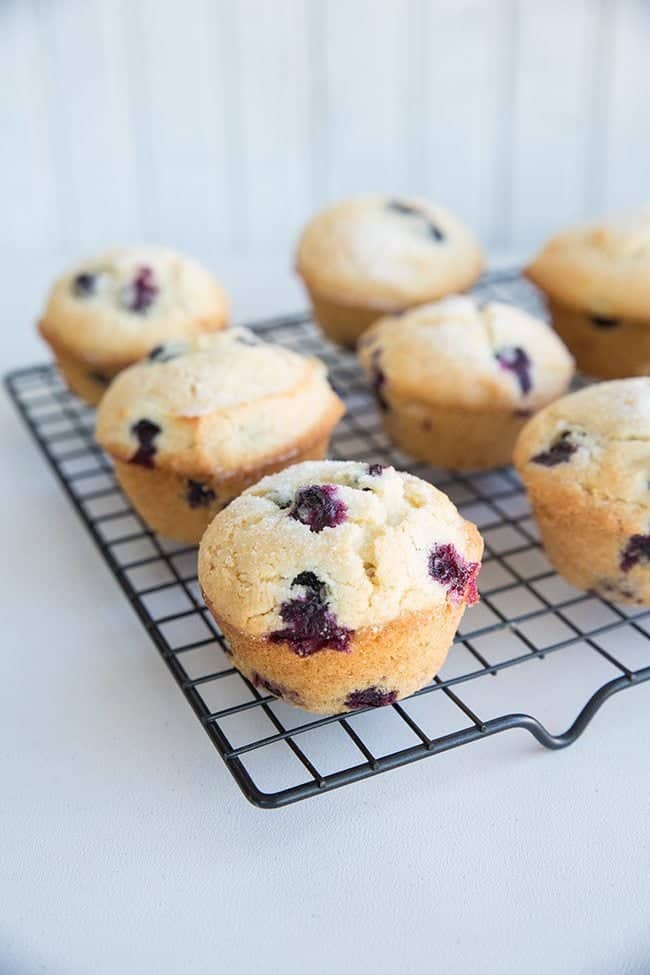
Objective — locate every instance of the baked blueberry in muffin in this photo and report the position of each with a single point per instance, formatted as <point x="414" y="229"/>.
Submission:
<point x="318" y="506"/>
<point x="145" y="433"/>
<point x="370" y="697"/>
<point x="426" y="223"/>
<point x="310" y="625"/>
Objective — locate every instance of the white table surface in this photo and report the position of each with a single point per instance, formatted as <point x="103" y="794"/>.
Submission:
<point x="125" y="846"/>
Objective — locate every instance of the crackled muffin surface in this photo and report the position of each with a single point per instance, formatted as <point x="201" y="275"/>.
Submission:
<point x="390" y="251"/>
<point x="456" y="380"/>
<point x="340" y="582"/>
<point x="584" y="461"/>
<point x="220" y="402"/>
<point x="462" y="353"/>
<point x="200" y="419"/>
<point x="110" y="310"/>
<point x="602" y="268"/>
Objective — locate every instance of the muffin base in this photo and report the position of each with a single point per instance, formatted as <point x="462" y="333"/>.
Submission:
<point x="397" y="658"/>
<point x="584" y="540"/>
<point x="81" y="380"/>
<point x="457" y="439"/>
<point x="161" y="496"/>
<point x="610" y="352"/>
<point x="344" y="323"/>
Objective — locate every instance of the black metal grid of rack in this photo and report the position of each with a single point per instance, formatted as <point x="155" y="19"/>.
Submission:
<point x="589" y="648"/>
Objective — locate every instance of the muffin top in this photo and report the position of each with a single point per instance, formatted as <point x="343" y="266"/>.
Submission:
<point x="110" y="310"/>
<point x="602" y="269"/>
<point x="324" y="548"/>
<point x="216" y="403"/>
<point x="595" y="441"/>
<point x="459" y="353"/>
<point x="387" y="252"/>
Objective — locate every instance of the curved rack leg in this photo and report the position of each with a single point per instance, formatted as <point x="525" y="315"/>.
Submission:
<point x="595" y="702"/>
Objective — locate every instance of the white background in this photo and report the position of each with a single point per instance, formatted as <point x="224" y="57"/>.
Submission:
<point x="124" y="844"/>
<point x="221" y="124"/>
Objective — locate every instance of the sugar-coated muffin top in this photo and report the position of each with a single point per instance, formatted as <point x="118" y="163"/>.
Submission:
<point x="216" y="404"/>
<point x="596" y="440"/>
<point x="459" y="353"/>
<point x="602" y="269"/>
<point x="388" y="252"/>
<point x="325" y="548"/>
<point x="110" y="310"/>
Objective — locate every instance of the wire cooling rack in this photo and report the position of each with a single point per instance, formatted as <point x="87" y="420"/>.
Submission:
<point x="533" y="653"/>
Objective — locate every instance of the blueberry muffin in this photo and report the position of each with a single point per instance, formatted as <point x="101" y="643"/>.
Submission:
<point x="109" y="311"/>
<point x="455" y="381"/>
<point x="339" y="585"/>
<point x="378" y="255"/>
<point x="597" y="283"/>
<point x="584" y="461"/>
<point x="200" y="419"/>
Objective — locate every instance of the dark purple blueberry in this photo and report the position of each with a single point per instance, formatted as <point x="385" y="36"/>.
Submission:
<point x="376" y="470"/>
<point x="84" y="284"/>
<point x="267" y="685"/>
<point x="405" y="210"/>
<point x="560" y="451"/>
<point x="247" y="338"/>
<point x="165" y="353"/>
<point x="602" y="321"/>
<point x="515" y="359"/>
<point x="99" y="377"/>
<point x="310" y="625"/>
<point x="434" y="231"/>
<point x="448" y="567"/>
<point x="311" y="581"/>
<point x="379" y="380"/>
<point x="280" y="501"/>
<point x="146" y="432"/>
<point x="140" y="294"/>
<point x="276" y="690"/>
<point x="617" y="589"/>
<point x="318" y="506"/>
<point x="199" y="495"/>
<point x="636" y="551"/>
<point x="370" y="697"/>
